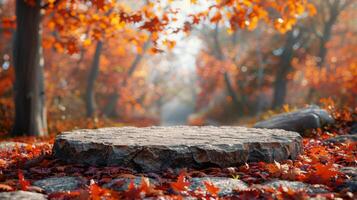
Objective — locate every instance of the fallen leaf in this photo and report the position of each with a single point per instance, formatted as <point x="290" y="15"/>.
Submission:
<point x="181" y="184"/>
<point x="6" y="188"/>
<point x="211" y="188"/>
<point x="23" y="183"/>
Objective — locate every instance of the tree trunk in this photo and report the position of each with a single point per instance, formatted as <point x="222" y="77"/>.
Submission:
<point x="260" y="76"/>
<point x="109" y="110"/>
<point x="93" y="74"/>
<point x="220" y="56"/>
<point x="280" y="86"/>
<point x="334" y="12"/>
<point x="232" y="93"/>
<point x="284" y="67"/>
<point x="326" y="37"/>
<point x="30" y="112"/>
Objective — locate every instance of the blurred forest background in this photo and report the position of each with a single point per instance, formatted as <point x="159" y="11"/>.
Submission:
<point x="211" y="76"/>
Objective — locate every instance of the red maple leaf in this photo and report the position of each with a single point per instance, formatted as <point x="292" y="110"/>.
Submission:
<point x="94" y="191"/>
<point x="23" y="183"/>
<point x="97" y="193"/>
<point x="139" y="192"/>
<point x="181" y="184"/>
<point x="323" y="173"/>
<point x="211" y="188"/>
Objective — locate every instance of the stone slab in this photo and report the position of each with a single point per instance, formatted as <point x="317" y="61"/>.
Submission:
<point x="350" y="171"/>
<point x="159" y="148"/>
<point x="6" y="146"/>
<point x="342" y="139"/>
<point x="299" y="120"/>
<point x="353" y="129"/>
<point x="21" y="195"/>
<point x="226" y="185"/>
<point x="296" y="185"/>
<point x="59" y="184"/>
<point x="351" y="183"/>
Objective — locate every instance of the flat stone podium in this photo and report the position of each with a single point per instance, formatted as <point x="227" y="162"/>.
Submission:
<point x="153" y="149"/>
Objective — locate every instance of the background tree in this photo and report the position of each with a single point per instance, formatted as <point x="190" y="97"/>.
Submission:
<point x="68" y="22"/>
<point x="30" y="112"/>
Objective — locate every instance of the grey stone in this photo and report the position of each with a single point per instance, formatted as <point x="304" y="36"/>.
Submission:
<point x="159" y="148"/>
<point x="11" y="145"/>
<point x="350" y="171"/>
<point x="353" y="128"/>
<point x="342" y="138"/>
<point x="59" y="184"/>
<point x="296" y="185"/>
<point x="226" y="185"/>
<point x="318" y="197"/>
<point x="122" y="184"/>
<point x="299" y="121"/>
<point x="21" y="195"/>
<point x="351" y="183"/>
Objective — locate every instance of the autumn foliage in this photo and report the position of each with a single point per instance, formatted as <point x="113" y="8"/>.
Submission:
<point x="96" y="52"/>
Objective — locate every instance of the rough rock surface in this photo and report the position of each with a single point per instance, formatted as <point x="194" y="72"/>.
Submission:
<point x="59" y="184"/>
<point x="350" y="184"/>
<point x="11" y="145"/>
<point x="21" y="195"/>
<point x="343" y="138"/>
<point x="226" y="185"/>
<point x="350" y="171"/>
<point x="296" y="185"/>
<point x="122" y="184"/>
<point x="299" y="121"/>
<point x="353" y="128"/>
<point x="159" y="148"/>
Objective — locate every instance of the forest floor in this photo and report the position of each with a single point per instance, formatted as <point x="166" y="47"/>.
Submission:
<point x="323" y="163"/>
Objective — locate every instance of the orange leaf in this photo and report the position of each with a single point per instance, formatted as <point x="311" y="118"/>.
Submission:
<point x="131" y="185"/>
<point x="4" y="187"/>
<point x="96" y="192"/>
<point x="156" y="50"/>
<point x="324" y="172"/>
<point x="276" y="169"/>
<point x="212" y="189"/>
<point x="132" y="192"/>
<point x="181" y="184"/>
<point x="144" y="187"/>
<point x="2" y="162"/>
<point x="216" y="18"/>
<point x="23" y="183"/>
<point x="99" y="4"/>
